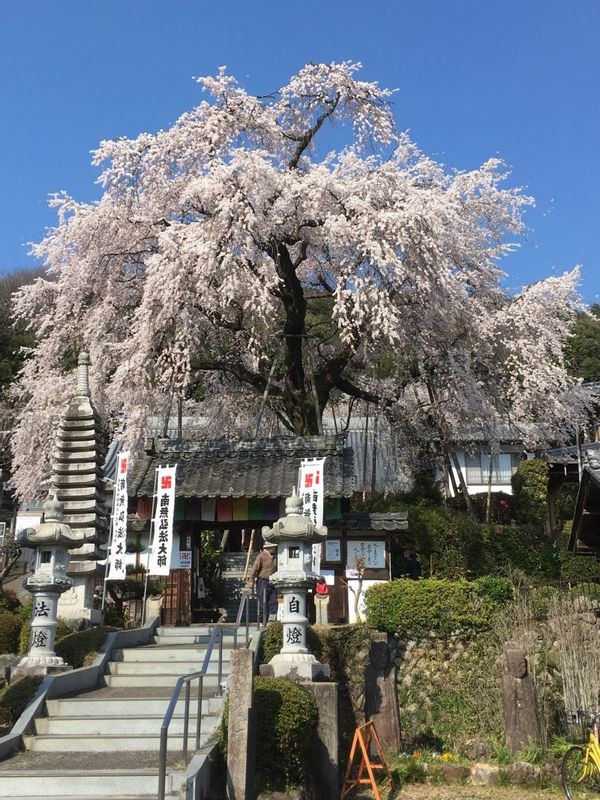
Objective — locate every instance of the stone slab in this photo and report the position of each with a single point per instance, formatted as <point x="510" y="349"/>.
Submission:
<point x="326" y="764"/>
<point x="240" y="734"/>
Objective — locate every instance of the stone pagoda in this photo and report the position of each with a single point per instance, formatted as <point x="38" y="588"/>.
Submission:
<point x="78" y="482"/>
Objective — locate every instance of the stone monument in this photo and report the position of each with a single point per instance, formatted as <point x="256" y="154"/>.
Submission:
<point x="521" y="723"/>
<point x="51" y="540"/>
<point x="294" y="536"/>
<point x="79" y="483"/>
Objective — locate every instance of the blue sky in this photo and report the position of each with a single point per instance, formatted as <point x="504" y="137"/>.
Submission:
<point x="476" y="78"/>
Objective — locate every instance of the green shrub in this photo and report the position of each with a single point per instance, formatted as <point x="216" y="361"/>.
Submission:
<point x="575" y="567"/>
<point x="286" y="724"/>
<point x="25" y="611"/>
<point x="413" y="608"/>
<point x="75" y="647"/>
<point x="272" y="642"/>
<point x="541" y="599"/>
<point x="10" y="628"/>
<point x="16" y="697"/>
<point x="8" y="600"/>
<point x="530" y="491"/>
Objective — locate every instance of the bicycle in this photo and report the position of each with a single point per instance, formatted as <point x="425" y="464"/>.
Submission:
<point x="580" y="768"/>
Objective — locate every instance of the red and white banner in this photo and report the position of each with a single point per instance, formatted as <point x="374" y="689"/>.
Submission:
<point x="311" y="490"/>
<point x="116" y="557"/>
<point x="162" y="541"/>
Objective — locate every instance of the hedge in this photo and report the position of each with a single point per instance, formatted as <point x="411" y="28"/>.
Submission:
<point x="10" y="629"/>
<point x="15" y="698"/>
<point x="414" y="608"/>
<point x="77" y="647"/>
<point x="286" y="718"/>
<point x="286" y="724"/>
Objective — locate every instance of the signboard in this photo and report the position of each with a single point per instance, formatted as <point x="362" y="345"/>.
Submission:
<point x="370" y="552"/>
<point x="162" y="524"/>
<point x="329" y="576"/>
<point x="333" y="550"/>
<point x="185" y="559"/>
<point x="311" y="490"/>
<point x="116" y="557"/>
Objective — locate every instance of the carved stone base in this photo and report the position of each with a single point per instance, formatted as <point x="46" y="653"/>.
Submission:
<point x="51" y="665"/>
<point x="296" y="667"/>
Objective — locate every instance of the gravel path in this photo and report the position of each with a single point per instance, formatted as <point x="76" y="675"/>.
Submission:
<point x="428" y="792"/>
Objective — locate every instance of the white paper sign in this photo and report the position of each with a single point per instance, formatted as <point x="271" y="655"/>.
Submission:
<point x="370" y="552"/>
<point x="117" y="563"/>
<point x="333" y="550"/>
<point x="185" y="559"/>
<point x="329" y="576"/>
<point x="162" y="540"/>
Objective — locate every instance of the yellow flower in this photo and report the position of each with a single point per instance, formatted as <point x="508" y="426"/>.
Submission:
<point x="448" y="757"/>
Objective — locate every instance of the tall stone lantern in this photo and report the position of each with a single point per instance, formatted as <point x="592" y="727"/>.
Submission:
<point x="51" y="540"/>
<point x="294" y="536"/>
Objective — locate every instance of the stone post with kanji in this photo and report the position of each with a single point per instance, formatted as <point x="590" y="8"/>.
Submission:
<point x="51" y="540"/>
<point x="294" y="536"/>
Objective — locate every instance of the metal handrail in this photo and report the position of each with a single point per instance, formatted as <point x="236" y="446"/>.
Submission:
<point x="216" y="634"/>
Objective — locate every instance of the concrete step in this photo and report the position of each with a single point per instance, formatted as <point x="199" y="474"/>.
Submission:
<point x="108" y="744"/>
<point x="125" y="727"/>
<point x="123" y="706"/>
<point x="181" y="630"/>
<point x="186" y="641"/>
<point x="165" y="667"/>
<point x="151" y="796"/>
<point x="170" y="653"/>
<point x="88" y="783"/>
<point x="149" y="681"/>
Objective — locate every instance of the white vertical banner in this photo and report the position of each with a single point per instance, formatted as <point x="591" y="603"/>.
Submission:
<point x="311" y="490"/>
<point x="116" y="571"/>
<point x="164" y="509"/>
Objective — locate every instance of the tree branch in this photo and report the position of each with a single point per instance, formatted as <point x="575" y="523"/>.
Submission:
<point x="305" y="140"/>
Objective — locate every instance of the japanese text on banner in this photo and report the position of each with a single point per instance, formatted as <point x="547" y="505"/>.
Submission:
<point x="116" y="570"/>
<point x="162" y="541"/>
<point x="311" y="489"/>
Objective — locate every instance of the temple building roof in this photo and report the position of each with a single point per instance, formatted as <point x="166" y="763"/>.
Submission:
<point x="388" y="521"/>
<point x="244" y="468"/>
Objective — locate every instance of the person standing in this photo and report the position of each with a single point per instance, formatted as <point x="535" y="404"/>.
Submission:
<point x="412" y="568"/>
<point x="264" y="566"/>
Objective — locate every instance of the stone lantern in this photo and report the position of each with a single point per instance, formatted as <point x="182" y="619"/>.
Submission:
<point x="51" y="540"/>
<point x="294" y="536"/>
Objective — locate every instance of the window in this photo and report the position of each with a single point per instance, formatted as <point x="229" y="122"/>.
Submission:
<point x="478" y="468"/>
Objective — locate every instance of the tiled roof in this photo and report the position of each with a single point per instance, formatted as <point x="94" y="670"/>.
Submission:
<point x="379" y="521"/>
<point x="245" y="468"/>
<point x="570" y="455"/>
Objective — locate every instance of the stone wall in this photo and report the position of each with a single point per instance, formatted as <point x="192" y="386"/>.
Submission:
<point x="449" y="690"/>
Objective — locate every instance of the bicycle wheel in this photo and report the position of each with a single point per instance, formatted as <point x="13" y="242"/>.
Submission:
<point x="579" y="781"/>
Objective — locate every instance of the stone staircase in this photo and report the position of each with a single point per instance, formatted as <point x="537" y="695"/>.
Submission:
<point x="232" y="581"/>
<point x="104" y="744"/>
